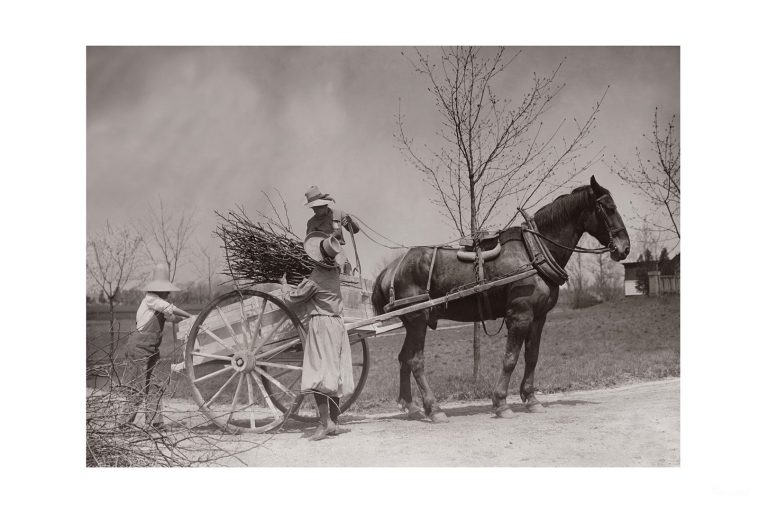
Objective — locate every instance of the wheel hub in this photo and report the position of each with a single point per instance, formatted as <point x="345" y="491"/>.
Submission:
<point x="243" y="362"/>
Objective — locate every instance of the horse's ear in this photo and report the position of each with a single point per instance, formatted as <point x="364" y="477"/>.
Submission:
<point x="596" y="188"/>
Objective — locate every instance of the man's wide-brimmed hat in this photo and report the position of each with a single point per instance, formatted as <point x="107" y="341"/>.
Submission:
<point x="161" y="280"/>
<point x="317" y="198"/>
<point x="324" y="249"/>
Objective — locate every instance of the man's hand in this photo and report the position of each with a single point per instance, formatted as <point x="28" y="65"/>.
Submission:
<point x="350" y="224"/>
<point x="284" y="285"/>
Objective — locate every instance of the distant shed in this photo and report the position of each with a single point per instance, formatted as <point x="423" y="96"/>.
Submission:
<point x="630" y="277"/>
<point x="670" y="274"/>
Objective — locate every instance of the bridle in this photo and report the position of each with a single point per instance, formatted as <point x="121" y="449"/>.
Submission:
<point x="612" y="231"/>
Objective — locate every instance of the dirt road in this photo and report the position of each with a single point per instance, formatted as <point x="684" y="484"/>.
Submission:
<point x="635" y="425"/>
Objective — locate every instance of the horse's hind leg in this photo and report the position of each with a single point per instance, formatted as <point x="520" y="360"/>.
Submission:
<point x="531" y="358"/>
<point x="519" y="318"/>
<point x="416" y="330"/>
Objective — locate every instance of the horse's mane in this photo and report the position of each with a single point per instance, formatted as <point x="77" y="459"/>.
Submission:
<point x="562" y="209"/>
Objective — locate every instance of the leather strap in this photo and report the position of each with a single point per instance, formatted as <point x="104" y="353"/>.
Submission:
<point x="431" y="268"/>
<point x="539" y="254"/>
<point x="160" y="320"/>
<point x="392" y="279"/>
<point x="394" y="302"/>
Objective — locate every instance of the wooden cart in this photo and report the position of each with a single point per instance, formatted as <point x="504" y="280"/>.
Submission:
<point x="244" y="352"/>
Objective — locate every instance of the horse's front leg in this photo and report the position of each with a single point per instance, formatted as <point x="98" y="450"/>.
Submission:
<point x="527" y="393"/>
<point x="405" y="398"/>
<point x="519" y="318"/>
<point x="416" y="331"/>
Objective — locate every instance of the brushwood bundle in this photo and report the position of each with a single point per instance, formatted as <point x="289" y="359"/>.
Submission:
<point x="259" y="252"/>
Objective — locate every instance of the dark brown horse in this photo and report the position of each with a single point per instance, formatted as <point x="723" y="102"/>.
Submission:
<point x="523" y="304"/>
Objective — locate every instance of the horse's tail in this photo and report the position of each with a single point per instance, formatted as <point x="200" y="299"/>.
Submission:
<point x="379" y="298"/>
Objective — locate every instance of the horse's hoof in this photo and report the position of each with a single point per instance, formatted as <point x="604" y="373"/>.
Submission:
<point x="504" y="412"/>
<point x="414" y="414"/>
<point x="535" y="407"/>
<point x="438" y="417"/>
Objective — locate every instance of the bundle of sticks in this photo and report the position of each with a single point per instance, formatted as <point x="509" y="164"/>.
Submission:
<point x="259" y="252"/>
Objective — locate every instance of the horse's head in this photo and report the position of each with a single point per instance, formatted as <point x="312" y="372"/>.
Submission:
<point x="605" y="223"/>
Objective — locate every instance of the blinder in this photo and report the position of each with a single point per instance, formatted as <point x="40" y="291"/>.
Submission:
<point x="612" y="231"/>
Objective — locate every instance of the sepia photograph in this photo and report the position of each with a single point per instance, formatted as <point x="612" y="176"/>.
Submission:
<point x="383" y="256"/>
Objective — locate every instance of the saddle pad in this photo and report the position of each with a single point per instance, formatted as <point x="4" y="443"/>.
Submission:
<point x="483" y="236"/>
<point x="511" y="234"/>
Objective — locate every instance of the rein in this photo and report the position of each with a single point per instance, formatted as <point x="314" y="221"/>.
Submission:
<point x="604" y="217"/>
<point x="575" y="248"/>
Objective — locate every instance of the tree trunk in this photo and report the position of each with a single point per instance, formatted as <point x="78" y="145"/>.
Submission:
<point x="112" y="337"/>
<point x="476" y="352"/>
<point x="479" y="274"/>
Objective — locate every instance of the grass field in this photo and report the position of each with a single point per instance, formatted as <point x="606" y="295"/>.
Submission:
<point x="628" y="340"/>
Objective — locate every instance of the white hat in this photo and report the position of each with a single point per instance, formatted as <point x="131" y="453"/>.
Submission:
<point x="323" y="249"/>
<point x="161" y="280"/>
<point x="317" y="198"/>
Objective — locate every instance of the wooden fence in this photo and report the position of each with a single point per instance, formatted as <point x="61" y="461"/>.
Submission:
<point x="660" y="285"/>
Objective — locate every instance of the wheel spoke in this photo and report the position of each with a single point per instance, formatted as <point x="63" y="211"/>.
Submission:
<point x="266" y="340"/>
<point x="280" y="374"/>
<point x="234" y="399"/>
<point x="221" y="389"/>
<point x="257" y="328"/>
<point x="250" y="402"/>
<point x="213" y="374"/>
<point x="229" y="327"/>
<point x="246" y="328"/>
<point x="278" y="349"/>
<point x="294" y="381"/>
<point x="212" y="356"/>
<point x="216" y="338"/>
<point x="280" y="365"/>
<point x="275" y="412"/>
<point x="275" y="382"/>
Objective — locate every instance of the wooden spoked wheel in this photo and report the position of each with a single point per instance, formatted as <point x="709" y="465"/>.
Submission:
<point x="290" y="382"/>
<point x="233" y="347"/>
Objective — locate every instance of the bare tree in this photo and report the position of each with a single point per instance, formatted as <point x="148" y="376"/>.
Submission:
<point x="578" y="279"/>
<point x="206" y="263"/>
<point x="112" y="261"/>
<point x="657" y="177"/>
<point x="167" y="236"/>
<point x="648" y="239"/>
<point x="491" y="150"/>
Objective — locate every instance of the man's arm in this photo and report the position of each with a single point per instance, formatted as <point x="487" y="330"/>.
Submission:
<point x="299" y="295"/>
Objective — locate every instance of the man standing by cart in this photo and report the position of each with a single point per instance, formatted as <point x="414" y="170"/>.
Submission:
<point x="327" y="365"/>
<point x="329" y="220"/>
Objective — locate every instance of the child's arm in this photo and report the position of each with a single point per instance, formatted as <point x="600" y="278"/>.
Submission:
<point x="171" y="312"/>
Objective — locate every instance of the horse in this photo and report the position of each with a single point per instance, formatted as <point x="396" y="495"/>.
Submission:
<point x="523" y="304"/>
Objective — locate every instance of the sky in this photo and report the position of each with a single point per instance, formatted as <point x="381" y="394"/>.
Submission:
<point x="208" y="128"/>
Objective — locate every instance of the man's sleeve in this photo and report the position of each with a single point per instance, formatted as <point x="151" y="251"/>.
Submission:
<point x="301" y="294"/>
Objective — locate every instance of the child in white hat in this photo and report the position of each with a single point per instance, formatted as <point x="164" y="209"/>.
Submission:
<point x="143" y="351"/>
<point x="327" y="367"/>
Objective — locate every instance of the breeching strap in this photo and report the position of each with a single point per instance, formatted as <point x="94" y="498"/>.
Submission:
<point x="393" y="302"/>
